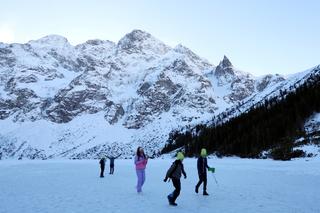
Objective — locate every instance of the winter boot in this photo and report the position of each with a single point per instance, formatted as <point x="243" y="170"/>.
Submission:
<point x="197" y="189"/>
<point x="171" y="202"/>
<point x="205" y="193"/>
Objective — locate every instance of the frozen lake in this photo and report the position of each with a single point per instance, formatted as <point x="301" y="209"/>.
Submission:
<point x="58" y="186"/>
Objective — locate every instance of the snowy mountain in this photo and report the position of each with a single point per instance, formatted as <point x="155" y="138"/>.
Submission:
<point x="268" y="87"/>
<point x="63" y="101"/>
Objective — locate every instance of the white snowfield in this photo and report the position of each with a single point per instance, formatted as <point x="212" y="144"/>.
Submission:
<point x="62" y="186"/>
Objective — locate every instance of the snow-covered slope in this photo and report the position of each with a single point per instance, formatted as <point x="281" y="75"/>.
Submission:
<point x="267" y="87"/>
<point x="59" y="100"/>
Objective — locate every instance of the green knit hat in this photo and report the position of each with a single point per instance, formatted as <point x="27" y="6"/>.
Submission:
<point x="203" y="153"/>
<point x="180" y="156"/>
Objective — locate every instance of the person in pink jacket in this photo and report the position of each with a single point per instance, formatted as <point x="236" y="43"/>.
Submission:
<point x="140" y="161"/>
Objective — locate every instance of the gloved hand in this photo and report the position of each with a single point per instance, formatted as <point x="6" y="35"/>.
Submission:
<point x="185" y="176"/>
<point x="211" y="169"/>
<point x="165" y="180"/>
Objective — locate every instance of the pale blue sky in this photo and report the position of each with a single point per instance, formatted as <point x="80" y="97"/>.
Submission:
<point x="259" y="36"/>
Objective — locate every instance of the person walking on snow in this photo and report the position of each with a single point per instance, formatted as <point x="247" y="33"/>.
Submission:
<point x="140" y="161"/>
<point x="102" y="163"/>
<point x="174" y="172"/>
<point x="202" y="166"/>
<point x="112" y="163"/>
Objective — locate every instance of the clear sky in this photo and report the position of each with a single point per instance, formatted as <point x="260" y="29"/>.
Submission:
<point x="258" y="36"/>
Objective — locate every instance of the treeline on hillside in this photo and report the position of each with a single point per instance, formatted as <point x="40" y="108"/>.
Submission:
<point x="271" y="125"/>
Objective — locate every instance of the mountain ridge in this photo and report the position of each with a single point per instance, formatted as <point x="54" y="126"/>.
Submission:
<point x="137" y="90"/>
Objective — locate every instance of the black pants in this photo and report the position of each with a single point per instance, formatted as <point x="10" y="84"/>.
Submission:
<point x="111" y="169"/>
<point x="202" y="179"/>
<point x="101" y="171"/>
<point x="177" y="188"/>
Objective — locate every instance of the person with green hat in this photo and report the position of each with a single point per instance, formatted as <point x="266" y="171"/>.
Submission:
<point x="174" y="172"/>
<point x="202" y="165"/>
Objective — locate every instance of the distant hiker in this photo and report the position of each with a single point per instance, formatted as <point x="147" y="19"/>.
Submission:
<point x="102" y="166"/>
<point x="202" y="166"/>
<point x="140" y="161"/>
<point x="174" y="172"/>
<point x="112" y="163"/>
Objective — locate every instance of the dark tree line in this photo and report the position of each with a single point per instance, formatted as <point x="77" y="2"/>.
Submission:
<point x="273" y="124"/>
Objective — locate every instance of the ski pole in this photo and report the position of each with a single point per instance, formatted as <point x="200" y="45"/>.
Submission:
<point x="215" y="179"/>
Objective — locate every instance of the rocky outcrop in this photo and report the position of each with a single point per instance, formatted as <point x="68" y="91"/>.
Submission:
<point x="267" y="80"/>
<point x="224" y="70"/>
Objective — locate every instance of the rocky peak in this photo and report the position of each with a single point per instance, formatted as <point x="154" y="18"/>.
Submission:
<point x="139" y="41"/>
<point x="225" y="62"/>
<point x="224" y="68"/>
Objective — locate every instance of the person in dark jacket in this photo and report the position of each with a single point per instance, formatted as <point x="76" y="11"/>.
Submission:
<point x="111" y="158"/>
<point x="202" y="166"/>
<point x="174" y="173"/>
<point x="102" y="163"/>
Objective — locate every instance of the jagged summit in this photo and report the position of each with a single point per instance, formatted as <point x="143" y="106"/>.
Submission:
<point x="139" y="41"/>
<point x="224" y="68"/>
<point x="225" y="62"/>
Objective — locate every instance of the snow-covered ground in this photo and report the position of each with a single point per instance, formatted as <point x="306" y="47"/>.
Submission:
<point x="243" y="186"/>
